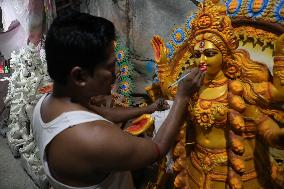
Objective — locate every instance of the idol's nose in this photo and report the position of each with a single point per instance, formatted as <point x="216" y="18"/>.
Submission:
<point x="203" y="59"/>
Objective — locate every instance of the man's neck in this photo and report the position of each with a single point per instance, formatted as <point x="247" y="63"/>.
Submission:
<point x="67" y="92"/>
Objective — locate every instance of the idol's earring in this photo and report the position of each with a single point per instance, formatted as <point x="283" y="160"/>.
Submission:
<point x="231" y="68"/>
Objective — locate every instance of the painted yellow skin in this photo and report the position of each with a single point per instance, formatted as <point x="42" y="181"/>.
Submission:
<point x="212" y="57"/>
<point x="209" y="55"/>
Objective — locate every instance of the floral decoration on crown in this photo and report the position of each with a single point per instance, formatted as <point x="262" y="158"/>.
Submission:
<point x="212" y="18"/>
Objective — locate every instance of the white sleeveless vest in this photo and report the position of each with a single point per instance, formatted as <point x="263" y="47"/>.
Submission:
<point x="45" y="132"/>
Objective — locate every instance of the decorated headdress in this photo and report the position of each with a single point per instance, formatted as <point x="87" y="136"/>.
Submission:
<point x="212" y="19"/>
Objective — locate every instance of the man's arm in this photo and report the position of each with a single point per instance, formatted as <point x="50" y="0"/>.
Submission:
<point x="107" y="148"/>
<point x="119" y="114"/>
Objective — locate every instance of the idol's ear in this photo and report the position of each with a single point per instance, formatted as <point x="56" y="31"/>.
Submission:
<point x="78" y="76"/>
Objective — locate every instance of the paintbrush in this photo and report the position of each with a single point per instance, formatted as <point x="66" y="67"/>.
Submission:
<point x="179" y="80"/>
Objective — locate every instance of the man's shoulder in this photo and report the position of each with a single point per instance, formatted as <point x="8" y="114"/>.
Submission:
<point x="85" y="139"/>
<point x="91" y="130"/>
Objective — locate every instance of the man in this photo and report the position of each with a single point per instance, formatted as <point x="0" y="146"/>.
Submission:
<point x="78" y="146"/>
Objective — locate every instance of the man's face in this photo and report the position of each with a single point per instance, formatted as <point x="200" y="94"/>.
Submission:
<point x="104" y="76"/>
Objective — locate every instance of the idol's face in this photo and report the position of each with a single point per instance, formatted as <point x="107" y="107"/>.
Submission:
<point x="207" y="57"/>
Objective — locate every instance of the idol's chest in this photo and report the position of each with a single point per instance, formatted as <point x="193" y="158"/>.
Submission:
<point x="207" y="113"/>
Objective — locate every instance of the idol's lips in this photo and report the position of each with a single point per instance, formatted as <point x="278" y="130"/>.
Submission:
<point x="203" y="67"/>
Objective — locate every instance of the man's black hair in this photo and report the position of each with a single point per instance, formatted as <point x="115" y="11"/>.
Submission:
<point x="77" y="39"/>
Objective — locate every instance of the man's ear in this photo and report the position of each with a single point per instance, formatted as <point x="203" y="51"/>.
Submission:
<point x="78" y="76"/>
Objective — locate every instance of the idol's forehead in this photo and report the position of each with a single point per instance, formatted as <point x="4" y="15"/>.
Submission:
<point x="204" y="44"/>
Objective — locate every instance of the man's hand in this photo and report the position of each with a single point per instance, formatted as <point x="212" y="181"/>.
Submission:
<point x="191" y="83"/>
<point x="159" y="105"/>
<point x="119" y="114"/>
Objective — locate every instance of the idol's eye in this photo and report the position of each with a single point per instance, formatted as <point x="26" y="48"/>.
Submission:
<point x="210" y="53"/>
<point x="196" y="54"/>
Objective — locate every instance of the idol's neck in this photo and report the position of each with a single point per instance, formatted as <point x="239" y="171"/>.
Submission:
<point x="219" y="76"/>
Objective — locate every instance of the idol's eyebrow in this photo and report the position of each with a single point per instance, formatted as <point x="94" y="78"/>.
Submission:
<point x="210" y="49"/>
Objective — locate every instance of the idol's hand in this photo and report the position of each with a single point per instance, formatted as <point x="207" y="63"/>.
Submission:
<point x="279" y="46"/>
<point x="160" y="50"/>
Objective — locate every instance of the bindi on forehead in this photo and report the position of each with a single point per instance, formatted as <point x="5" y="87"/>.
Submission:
<point x="202" y="45"/>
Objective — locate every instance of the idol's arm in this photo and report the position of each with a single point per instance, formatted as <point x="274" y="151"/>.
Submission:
<point x="271" y="132"/>
<point x="164" y="69"/>
<point x="277" y="90"/>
